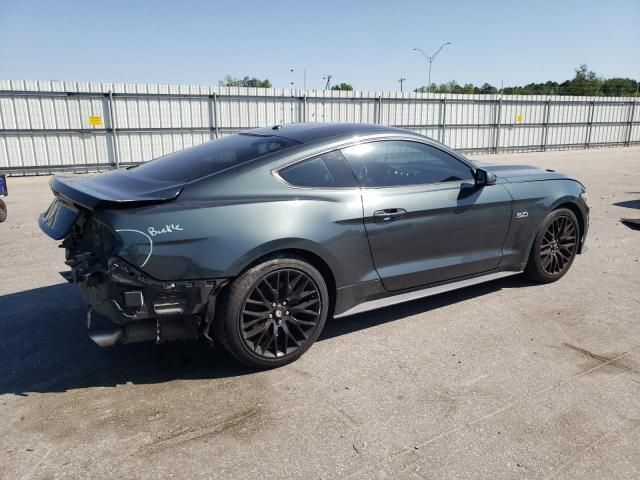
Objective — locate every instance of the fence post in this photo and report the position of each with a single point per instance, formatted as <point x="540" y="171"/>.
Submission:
<point x="215" y="115"/>
<point x="499" y="114"/>
<point x="632" y="107"/>
<point x="378" y="114"/>
<point x="112" y="124"/>
<point x="443" y="117"/>
<point x="106" y="113"/>
<point x="545" y="132"/>
<point x="211" y="121"/>
<point x="305" y="117"/>
<point x="588" y="139"/>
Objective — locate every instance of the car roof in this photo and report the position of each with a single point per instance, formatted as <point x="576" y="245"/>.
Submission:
<point x="311" y="132"/>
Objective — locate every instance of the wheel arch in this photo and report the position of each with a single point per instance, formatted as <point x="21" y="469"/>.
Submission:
<point x="565" y="202"/>
<point x="572" y="203"/>
<point x="304" y="251"/>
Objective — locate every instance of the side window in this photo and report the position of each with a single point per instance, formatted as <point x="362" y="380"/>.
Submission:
<point x="328" y="170"/>
<point x="396" y="162"/>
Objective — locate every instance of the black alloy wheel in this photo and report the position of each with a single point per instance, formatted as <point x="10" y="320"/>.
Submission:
<point x="273" y="313"/>
<point x="280" y="314"/>
<point x="559" y="244"/>
<point x="554" y="247"/>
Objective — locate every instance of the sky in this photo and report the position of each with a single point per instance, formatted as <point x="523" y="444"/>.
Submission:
<point x="365" y="43"/>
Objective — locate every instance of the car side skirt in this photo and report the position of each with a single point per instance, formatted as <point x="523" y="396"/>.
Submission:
<point x="425" y="292"/>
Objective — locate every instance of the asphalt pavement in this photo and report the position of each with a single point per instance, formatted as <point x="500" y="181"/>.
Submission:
<point x="502" y="380"/>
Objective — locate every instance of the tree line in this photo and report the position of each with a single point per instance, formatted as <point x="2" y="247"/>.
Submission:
<point x="585" y="83"/>
<point x="254" y="82"/>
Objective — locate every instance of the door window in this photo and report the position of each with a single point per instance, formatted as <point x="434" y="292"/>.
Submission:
<point x="396" y="162"/>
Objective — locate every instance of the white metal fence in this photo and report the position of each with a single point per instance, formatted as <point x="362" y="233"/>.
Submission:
<point x="49" y="126"/>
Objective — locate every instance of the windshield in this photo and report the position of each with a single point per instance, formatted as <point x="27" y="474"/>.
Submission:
<point x="212" y="157"/>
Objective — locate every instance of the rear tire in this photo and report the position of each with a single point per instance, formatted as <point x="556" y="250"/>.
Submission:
<point x="3" y="211"/>
<point x="554" y="247"/>
<point x="273" y="312"/>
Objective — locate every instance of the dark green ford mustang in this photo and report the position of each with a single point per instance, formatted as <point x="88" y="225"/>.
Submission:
<point x="255" y="239"/>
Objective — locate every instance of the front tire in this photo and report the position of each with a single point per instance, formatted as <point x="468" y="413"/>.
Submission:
<point x="554" y="247"/>
<point x="3" y="211"/>
<point x="273" y="313"/>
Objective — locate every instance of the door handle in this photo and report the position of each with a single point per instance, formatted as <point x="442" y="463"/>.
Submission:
<point x="388" y="214"/>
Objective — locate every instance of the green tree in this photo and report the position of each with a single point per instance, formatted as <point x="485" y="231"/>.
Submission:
<point x="619" y="87"/>
<point x="586" y="82"/>
<point x="425" y="88"/>
<point x="342" y="86"/>
<point x="468" y="88"/>
<point x="488" y="88"/>
<point x="230" y="81"/>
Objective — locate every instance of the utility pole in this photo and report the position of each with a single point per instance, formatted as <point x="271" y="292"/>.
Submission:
<point x="401" y="82"/>
<point x="328" y="79"/>
<point x="430" y="59"/>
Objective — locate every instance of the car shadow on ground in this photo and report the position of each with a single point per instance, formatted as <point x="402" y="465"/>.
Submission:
<point x="46" y="347"/>
<point x="629" y="204"/>
<point x="633" y="223"/>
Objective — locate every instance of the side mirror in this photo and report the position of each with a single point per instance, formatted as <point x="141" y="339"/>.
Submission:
<point x="483" y="178"/>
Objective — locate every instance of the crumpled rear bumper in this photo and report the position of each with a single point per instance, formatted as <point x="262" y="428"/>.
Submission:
<point x="141" y="307"/>
<point x="124" y="294"/>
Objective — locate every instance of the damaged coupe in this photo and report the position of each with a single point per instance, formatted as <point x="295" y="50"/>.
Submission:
<point x="255" y="239"/>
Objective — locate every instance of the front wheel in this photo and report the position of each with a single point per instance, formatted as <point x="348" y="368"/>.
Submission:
<point x="273" y="312"/>
<point x="554" y="247"/>
<point x="3" y="211"/>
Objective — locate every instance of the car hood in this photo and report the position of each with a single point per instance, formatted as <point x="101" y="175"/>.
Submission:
<point x="113" y="189"/>
<point x="521" y="173"/>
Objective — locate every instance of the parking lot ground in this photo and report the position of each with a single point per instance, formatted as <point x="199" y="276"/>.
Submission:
<point x="503" y="380"/>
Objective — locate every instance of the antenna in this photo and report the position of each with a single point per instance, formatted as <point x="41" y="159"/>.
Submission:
<point x="401" y="82"/>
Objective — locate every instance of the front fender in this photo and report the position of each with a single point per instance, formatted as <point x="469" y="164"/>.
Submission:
<point x="536" y="200"/>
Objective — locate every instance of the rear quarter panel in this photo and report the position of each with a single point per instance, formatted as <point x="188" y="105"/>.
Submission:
<point x="225" y="223"/>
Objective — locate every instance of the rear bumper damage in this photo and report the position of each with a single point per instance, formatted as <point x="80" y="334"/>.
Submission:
<point x="127" y="306"/>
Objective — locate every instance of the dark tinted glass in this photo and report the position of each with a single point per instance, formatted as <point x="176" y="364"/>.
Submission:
<point x="395" y="162"/>
<point x="328" y="170"/>
<point x="212" y="157"/>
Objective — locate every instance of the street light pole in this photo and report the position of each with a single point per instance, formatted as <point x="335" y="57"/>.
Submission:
<point x="430" y="59"/>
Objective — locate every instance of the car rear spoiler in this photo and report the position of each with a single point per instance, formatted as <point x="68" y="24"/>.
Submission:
<point x="95" y="193"/>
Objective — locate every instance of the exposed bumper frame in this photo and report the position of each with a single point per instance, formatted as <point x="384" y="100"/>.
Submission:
<point x="138" y="307"/>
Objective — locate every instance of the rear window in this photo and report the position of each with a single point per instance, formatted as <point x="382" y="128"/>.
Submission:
<point x="212" y="157"/>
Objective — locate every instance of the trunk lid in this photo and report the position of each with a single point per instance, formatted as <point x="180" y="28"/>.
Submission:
<point x="118" y="189"/>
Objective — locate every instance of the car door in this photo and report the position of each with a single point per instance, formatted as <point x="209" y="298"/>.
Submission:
<point x="426" y="220"/>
